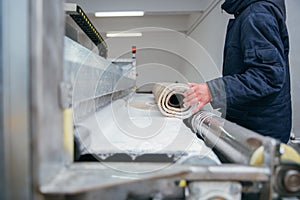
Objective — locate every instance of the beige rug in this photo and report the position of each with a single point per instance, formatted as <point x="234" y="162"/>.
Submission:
<point x="169" y="99"/>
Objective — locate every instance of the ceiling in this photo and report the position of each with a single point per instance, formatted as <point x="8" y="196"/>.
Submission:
<point x="177" y="15"/>
<point x="149" y="6"/>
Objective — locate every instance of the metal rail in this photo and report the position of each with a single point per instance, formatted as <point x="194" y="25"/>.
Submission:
<point x="87" y="175"/>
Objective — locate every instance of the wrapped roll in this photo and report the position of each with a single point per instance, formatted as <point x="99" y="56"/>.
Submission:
<point x="169" y="98"/>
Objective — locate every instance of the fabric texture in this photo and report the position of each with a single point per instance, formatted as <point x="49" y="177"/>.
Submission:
<point x="254" y="91"/>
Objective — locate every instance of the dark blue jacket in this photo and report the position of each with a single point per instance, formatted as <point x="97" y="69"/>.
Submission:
<point x="254" y="91"/>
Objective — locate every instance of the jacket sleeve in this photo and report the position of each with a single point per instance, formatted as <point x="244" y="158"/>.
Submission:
<point x="263" y="57"/>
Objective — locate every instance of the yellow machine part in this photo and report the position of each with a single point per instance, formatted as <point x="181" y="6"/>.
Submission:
<point x="289" y="154"/>
<point x="182" y="183"/>
<point x="68" y="131"/>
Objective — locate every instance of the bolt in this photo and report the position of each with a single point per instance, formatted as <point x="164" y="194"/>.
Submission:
<point x="292" y="181"/>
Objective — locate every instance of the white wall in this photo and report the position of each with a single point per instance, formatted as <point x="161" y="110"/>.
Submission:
<point x="211" y="32"/>
<point x="165" y="52"/>
<point x="293" y="7"/>
<point x="156" y="59"/>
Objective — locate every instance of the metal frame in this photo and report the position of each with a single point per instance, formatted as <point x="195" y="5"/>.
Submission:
<point x="15" y="84"/>
<point x="31" y="51"/>
<point x="88" y="176"/>
<point x="81" y="19"/>
<point x="2" y="172"/>
<point x="46" y="61"/>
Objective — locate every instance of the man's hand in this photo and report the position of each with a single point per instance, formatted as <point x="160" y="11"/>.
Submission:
<point x="198" y="93"/>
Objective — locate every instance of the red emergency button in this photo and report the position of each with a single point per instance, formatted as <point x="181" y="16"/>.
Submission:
<point x="133" y="49"/>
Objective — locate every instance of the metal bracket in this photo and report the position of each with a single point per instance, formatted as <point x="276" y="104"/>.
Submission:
<point x="65" y="94"/>
<point x="81" y="19"/>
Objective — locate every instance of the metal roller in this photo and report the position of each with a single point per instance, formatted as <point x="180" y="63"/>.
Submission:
<point x="236" y="143"/>
<point x="242" y="146"/>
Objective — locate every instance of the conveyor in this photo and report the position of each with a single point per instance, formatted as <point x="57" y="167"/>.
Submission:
<point x="133" y="127"/>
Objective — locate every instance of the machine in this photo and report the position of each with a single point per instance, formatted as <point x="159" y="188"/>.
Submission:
<point x="126" y="149"/>
<point x="91" y="135"/>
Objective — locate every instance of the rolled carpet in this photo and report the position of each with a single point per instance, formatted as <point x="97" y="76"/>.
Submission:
<point x="169" y="98"/>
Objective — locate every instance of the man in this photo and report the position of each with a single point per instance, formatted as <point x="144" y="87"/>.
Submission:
<point x="254" y="91"/>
